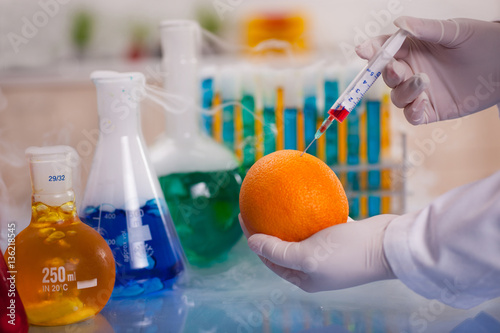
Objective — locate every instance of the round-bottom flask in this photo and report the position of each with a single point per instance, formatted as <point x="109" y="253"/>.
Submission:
<point x="65" y="269"/>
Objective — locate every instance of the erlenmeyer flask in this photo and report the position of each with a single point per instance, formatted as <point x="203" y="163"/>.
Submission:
<point x="65" y="269"/>
<point x="199" y="177"/>
<point x="123" y="199"/>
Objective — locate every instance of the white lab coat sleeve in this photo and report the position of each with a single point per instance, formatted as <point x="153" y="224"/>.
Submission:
<point x="450" y="250"/>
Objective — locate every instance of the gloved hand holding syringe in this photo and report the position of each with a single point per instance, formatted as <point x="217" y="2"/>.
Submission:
<point x="361" y="83"/>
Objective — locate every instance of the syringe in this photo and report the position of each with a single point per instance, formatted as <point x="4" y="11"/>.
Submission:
<point x="361" y="83"/>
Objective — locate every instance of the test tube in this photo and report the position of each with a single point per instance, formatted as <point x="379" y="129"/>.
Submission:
<point x="353" y="155"/>
<point x="248" y="115"/>
<point x="279" y="111"/>
<point x="373" y="113"/>
<point x="331" y="94"/>
<point x="207" y="97"/>
<point x="385" y="151"/>
<point x="229" y="87"/>
<point x="353" y="143"/>
<point x="216" y="105"/>
<point x="363" y="174"/>
<point x="259" y="117"/>
<point x="268" y="93"/>
<point x="291" y="103"/>
<point x="310" y="85"/>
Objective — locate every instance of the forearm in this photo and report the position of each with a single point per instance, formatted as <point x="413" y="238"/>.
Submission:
<point x="450" y="250"/>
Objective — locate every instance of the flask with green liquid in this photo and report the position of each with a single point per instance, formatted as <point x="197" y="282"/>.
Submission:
<point x="199" y="177"/>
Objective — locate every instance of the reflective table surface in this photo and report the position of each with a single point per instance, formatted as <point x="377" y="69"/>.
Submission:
<point x="240" y="294"/>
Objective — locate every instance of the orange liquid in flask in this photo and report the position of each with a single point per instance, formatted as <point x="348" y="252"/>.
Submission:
<point x="65" y="269"/>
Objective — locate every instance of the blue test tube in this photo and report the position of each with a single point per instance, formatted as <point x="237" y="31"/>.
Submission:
<point x="290" y="125"/>
<point x="268" y="93"/>
<point x="353" y="144"/>
<point x="373" y="152"/>
<point x="248" y="116"/>
<point x="229" y="94"/>
<point x="207" y="97"/>
<point x="331" y="91"/>
<point x="310" y="81"/>
<point x="291" y="106"/>
<point x="310" y="112"/>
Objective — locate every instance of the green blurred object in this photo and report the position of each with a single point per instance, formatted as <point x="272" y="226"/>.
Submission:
<point x="139" y="32"/>
<point x="81" y="30"/>
<point x="208" y="19"/>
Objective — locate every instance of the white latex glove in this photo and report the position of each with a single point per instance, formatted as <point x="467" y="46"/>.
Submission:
<point x="444" y="70"/>
<point x="341" y="256"/>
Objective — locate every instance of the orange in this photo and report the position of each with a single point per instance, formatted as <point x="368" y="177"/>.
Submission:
<point x="291" y="196"/>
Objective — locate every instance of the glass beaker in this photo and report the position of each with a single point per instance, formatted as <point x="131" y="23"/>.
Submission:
<point x="123" y="199"/>
<point x="199" y="177"/>
<point x="65" y="269"/>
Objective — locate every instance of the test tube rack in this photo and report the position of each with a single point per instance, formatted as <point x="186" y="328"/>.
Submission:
<point x="255" y="110"/>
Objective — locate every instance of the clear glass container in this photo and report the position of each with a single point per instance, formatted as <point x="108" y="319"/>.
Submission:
<point x="65" y="269"/>
<point x="199" y="177"/>
<point x="123" y="200"/>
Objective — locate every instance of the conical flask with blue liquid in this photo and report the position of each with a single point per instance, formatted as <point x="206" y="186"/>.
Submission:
<point x="199" y="177"/>
<point x="123" y="200"/>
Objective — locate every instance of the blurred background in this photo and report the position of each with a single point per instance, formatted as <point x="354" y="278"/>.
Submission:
<point x="48" y="49"/>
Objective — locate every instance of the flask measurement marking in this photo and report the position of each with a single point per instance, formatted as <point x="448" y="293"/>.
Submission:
<point x="55" y="278"/>
<point x="58" y="178"/>
<point x="57" y="274"/>
<point x="86" y="284"/>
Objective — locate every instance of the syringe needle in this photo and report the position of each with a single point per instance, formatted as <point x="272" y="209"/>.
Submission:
<point x="308" y="147"/>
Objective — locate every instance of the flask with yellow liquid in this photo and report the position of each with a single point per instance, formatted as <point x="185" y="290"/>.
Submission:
<point x="65" y="269"/>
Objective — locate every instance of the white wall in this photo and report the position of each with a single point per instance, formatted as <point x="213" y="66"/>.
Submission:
<point x="331" y="21"/>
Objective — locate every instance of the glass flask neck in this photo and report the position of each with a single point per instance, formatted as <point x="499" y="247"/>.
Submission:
<point x="44" y="215"/>
<point x="51" y="170"/>
<point x="179" y="40"/>
<point x="118" y="102"/>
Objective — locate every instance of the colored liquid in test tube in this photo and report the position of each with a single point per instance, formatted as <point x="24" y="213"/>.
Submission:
<point x="310" y="112"/>
<point x="248" y="114"/>
<point x="229" y="94"/>
<point x="207" y="97"/>
<point x="310" y="87"/>
<point x="291" y="100"/>
<point x="353" y="154"/>
<point x="268" y="92"/>
<point x="373" y="148"/>
<point x="331" y="87"/>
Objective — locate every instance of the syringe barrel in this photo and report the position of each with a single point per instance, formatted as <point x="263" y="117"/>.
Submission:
<point x="339" y="114"/>
<point x="370" y="73"/>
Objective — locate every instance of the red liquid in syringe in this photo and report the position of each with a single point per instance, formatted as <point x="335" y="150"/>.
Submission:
<point x="339" y="114"/>
<point x="334" y="114"/>
<point x="325" y="124"/>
